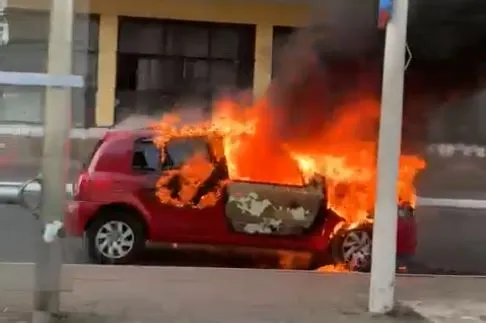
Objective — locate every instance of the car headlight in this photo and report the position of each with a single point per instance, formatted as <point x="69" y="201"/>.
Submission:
<point x="402" y="213"/>
<point x="405" y="210"/>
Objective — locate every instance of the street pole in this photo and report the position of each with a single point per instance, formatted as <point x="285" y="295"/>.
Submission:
<point x="57" y="124"/>
<point x="382" y="283"/>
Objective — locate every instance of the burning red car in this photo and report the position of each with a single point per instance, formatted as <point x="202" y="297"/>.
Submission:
<point x="293" y="170"/>
<point x="131" y="193"/>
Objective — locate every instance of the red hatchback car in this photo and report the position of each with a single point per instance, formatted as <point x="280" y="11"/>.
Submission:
<point x="116" y="211"/>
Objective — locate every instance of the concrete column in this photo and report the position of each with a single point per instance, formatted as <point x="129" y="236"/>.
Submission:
<point x="57" y="124"/>
<point x="383" y="264"/>
<point x="105" y="98"/>
<point x="262" y="72"/>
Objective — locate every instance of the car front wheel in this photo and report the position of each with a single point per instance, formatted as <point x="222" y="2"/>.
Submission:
<point x="353" y="249"/>
<point x="115" y="239"/>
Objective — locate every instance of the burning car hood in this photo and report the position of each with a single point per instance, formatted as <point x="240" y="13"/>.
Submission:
<point x="255" y="208"/>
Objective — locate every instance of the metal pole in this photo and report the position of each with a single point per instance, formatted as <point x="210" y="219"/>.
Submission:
<point x="57" y="124"/>
<point x="382" y="284"/>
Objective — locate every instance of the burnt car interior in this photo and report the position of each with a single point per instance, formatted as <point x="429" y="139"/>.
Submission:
<point x="146" y="157"/>
<point x="178" y="151"/>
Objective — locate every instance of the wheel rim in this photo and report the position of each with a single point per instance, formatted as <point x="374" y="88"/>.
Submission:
<point x="115" y="239"/>
<point x="356" y="249"/>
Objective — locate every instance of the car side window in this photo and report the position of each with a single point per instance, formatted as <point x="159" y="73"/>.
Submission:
<point x="146" y="156"/>
<point x="180" y="150"/>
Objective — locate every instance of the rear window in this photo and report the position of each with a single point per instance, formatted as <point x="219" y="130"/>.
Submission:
<point x="146" y="156"/>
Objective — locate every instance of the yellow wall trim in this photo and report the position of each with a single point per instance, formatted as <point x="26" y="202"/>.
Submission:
<point x="105" y="97"/>
<point x="262" y="72"/>
<point x="79" y="5"/>
<point x="236" y="11"/>
<point x="262" y="13"/>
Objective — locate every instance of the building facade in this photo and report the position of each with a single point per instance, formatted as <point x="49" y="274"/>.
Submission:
<point x="145" y="56"/>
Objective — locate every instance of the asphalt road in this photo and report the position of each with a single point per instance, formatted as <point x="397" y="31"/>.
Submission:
<point x="19" y="233"/>
<point x="450" y="241"/>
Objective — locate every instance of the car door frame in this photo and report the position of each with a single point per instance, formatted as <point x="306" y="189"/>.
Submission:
<point x="172" y="223"/>
<point x="166" y="221"/>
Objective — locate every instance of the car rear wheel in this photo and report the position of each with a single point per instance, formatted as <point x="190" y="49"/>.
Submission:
<point x="353" y="249"/>
<point x="115" y="239"/>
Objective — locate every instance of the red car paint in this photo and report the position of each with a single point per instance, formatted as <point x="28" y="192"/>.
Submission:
<point x="109" y="181"/>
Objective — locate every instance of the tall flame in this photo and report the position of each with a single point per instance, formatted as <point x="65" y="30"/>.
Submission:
<point x="253" y="153"/>
<point x="304" y="128"/>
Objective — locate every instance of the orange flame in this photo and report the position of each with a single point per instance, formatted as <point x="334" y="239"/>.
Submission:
<point x="346" y="162"/>
<point x="292" y="135"/>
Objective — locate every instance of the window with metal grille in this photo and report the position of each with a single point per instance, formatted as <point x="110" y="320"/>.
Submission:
<point x="164" y="62"/>
<point x="27" y="52"/>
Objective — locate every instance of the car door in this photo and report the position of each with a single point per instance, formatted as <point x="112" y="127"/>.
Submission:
<point x="167" y="222"/>
<point x="179" y="166"/>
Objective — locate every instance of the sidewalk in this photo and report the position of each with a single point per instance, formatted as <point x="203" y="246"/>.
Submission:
<point x="212" y="295"/>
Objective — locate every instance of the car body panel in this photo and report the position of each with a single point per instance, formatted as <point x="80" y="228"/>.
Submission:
<point x="272" y="209"/>
<point x="109" y="180"/>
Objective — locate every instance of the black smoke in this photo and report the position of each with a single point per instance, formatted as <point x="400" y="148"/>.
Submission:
<point x="442" y="30"/>
<point x="437" y="29"/>
<point x="340" y="55"/>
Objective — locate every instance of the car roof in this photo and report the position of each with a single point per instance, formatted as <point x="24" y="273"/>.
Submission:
<point x="128" y="133"/>
<point x="141" y="133"/>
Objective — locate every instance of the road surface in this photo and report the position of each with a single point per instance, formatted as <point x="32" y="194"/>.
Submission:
<point x="449" y="240"/>
<point x="122" y="294"/>
<point x="18" y="231"/>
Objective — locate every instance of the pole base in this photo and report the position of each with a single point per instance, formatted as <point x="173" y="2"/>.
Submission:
<point x="42" y="317"/>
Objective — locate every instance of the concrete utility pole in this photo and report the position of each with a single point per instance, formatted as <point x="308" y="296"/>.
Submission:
<point x="57" y="119"/>
<point x="382" y="284"/>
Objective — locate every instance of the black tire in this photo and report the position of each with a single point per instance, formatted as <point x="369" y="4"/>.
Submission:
<point x="337" y="249"/>
<point x="107" y="218"/>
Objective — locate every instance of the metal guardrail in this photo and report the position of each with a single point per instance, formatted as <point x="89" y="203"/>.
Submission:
<point x="34" y="207"/>
<point x="15" y="192"/>
<point x="20" y="193"/>
<point x="10" y="192"/>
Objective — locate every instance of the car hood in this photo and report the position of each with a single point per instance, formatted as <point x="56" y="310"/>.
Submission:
<point x="256" y="208"/>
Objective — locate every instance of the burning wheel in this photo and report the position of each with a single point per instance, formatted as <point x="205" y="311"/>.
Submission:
<point x="115" y="239"/>
<point x="353" y="248"/>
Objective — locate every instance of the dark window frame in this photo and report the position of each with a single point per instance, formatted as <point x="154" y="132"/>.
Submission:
<point x="281" y="36"/>
<point x="162" y="163"/>
<point x="138" y="148"/>
<point x="242" y="63"/>
<point x="90" y="90"/>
